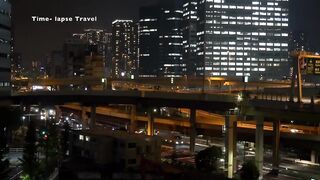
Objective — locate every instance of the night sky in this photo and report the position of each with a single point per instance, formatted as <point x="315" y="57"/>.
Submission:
<point x="34" y="40"/>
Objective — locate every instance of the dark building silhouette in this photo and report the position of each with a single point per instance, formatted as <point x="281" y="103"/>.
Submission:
<point x="5" y="47"/>
<point x="149" y="41"/>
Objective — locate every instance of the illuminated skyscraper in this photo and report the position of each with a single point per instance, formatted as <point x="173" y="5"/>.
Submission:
<point x="243" y="38"/>
<point x="5" y="47"/>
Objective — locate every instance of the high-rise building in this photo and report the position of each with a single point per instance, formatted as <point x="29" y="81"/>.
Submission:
<point x="190" y="17"/>
<point x="243" y="38"/>
<point x="74" y="52"/>
<point x="16" y="66"/>
<point x="96" y="37"/>
<point x="161" y="40"/>
<point x="108" y="62"/>
<point x="124" y="40"/>
<point x="5" y="47"/>
<point x="170" y="39"/>
<point x="149" y="41"/>
<point x="56" y="65"/>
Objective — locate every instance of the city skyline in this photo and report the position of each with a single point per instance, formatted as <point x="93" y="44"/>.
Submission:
<point x="174" y="89"/>
<point x="28" y="33"/>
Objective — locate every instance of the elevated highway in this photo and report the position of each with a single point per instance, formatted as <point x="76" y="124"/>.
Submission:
<point x="210" y="121"/>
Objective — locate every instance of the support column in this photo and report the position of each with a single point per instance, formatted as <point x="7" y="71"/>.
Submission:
<point x="133" y="118"/>
<point x="93" y="116"/>
<point x="150" y="123"/>
<point x="314" y="156"/>
<point x="276" y="147"/>
<point x="58" y="113"/>
<point x="231" y="125"/>
<point x="193" y="130"/>
<point x="259" y="144"/>
<point x="84" y="117"/>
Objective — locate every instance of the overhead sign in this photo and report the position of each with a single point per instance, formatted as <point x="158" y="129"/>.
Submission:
<point x="311" y="66"/>
<point x="317" y="67"/>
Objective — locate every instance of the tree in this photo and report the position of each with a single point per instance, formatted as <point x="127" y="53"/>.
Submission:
<point x="29" y="159"/>
<point x="49" y="143"/>
<point x="3" y="146"/>
<point x="249" y="171"/>
<point x="10" y="122"/>
<point x="65" y="139"/>
<point x="207" y="160"/>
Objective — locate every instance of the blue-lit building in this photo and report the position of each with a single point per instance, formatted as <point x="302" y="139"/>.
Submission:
<point x="243" y="38"/>
<point x="5" y="47"/>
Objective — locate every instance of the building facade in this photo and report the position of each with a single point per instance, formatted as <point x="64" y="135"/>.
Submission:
<point x="190" y="17"/>
<point x="149" y="41"/>
<point x="170" y="39"/>
<point x="75" y="51"/>
<point x="115" y="147"/>
<point x="108" y="62"/>
<point x="243" y="38"/>
<point x="124" y="42"/>
<point x="5" y="47"/>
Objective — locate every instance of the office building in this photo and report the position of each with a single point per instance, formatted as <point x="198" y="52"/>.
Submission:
<point x="108" y="62"/>
<point x="5" y="47"/>
<point x="171" y="39"/>
<point x="149" y="41"/>
<point x="243" y="38"/>
<point x="75" y="51"/>
<point x="190" y="17"/>
<point x="16" y="66"/>
<point x="56" y="63"/>
<point x="124" y="40"/>
<point x="161" y="40"/>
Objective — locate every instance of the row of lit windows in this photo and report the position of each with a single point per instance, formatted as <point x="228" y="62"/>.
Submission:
<point x="4" y="84"/>
<point x="261" y="8"/>
<point x="246" y="44"/>
<point x="246" y="33"/>
<point x="249" y="23"/>
<point x="256" y="18"/>
<point x="243" y="53"/>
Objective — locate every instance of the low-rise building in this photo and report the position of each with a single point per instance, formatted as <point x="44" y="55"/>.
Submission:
<point x="115" y="147"/>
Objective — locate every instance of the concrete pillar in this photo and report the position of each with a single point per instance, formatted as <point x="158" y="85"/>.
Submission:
<point x="314" y="156"/>
<point x="84" y="117"/>
<point x="276" y="147"/>
<point x="93" y="116"/>
<point x="133" y="118"/>
<point x="150" y="123"/>
<point x="231" y="152"/>
<point x="193" y="130"/>
<point x="58" y="113"/>
<point x="259" y="144"/>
